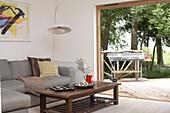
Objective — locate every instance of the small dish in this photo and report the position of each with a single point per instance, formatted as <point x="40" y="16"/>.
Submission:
<point x="84" y="85"/>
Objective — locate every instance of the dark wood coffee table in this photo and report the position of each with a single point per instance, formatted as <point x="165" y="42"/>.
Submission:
<point x="88" y="103"/>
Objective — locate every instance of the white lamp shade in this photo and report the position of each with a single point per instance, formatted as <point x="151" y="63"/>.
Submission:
<point x="59" y="29"/>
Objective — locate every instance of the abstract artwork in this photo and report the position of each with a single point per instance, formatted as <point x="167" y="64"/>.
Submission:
<point x="14" y="20"/>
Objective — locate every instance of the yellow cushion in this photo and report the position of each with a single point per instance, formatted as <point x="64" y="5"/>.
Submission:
<point x="48" y="68"/>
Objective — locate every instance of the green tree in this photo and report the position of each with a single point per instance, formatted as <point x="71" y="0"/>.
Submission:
<point x="143" y="22"/>
<point x="160" y="23"/>
<point x="111" y="30"/>
<point x="153" y="22"/>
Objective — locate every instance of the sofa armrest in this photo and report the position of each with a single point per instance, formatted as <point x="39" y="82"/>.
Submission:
<point x="67" y="71"/>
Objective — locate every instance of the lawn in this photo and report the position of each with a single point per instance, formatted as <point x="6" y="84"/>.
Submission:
<point x="157" y="74"/>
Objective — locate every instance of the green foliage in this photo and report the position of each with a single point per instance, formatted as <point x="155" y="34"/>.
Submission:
<point x="160" y="22"/>
<point x="147" y="50"/>
<point x="154" y="74"/>
<point x="164" y="51"/>
<point x="155" y="19"/>
<point x="116" y="30"/>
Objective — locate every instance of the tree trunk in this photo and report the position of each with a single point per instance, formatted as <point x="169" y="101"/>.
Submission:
<point x="134" y="41"/>
<point x="143" y="37"/>
<point x="147" y="43"/>
<point x="109" y="18"/>
<point x="159" y="52"/>
<point x="153" y="55"/>
<point x="106" y="32"/>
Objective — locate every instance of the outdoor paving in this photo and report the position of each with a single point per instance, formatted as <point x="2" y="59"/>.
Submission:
<point x="156" y="89"/>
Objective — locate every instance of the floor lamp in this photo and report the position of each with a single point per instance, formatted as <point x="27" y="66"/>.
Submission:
<point x="57" y="29"/>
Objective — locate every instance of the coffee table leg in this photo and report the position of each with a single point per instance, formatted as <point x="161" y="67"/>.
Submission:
<point x="116" y="95"/>
<point x="42" y="103"/>
<point x="92" y="98"/>
<point x="68" y="105"/>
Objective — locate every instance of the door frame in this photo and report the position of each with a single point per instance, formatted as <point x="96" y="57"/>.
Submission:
<point x="98" y="23"/>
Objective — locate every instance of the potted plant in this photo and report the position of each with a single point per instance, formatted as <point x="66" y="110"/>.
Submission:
<point x="147" y="53"/>
<point x="82" y="66"/>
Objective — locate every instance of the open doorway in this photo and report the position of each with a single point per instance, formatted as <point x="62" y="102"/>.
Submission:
<point x="148" y="27"/>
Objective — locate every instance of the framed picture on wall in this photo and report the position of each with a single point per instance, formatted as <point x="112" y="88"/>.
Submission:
<point x="14" y="20"/>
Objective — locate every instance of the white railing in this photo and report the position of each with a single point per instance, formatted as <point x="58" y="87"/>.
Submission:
<point x="121" y="71"/>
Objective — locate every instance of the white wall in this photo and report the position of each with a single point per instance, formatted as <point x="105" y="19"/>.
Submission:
<point x="42" y="12"/>
<point x="81" y="42"/>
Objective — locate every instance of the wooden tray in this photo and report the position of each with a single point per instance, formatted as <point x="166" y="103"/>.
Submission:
<point x="61" y="88"/>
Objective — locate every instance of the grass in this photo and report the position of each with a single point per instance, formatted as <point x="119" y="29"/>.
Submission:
<point x="157" y="74"/>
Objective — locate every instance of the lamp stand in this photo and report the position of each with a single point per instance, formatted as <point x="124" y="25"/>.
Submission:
<point x="57" y="29"/>
<point x="53" y="43"/>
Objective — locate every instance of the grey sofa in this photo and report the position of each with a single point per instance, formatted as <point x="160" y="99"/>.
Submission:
<point x="14" y="99"/>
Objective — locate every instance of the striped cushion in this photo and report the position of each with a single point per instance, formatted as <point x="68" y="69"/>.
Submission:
<point x="48" y="68"/>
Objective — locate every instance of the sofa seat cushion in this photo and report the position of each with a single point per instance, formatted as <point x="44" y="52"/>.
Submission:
<point x="15" y="85"/>
<point x="5" y="71"/>
<point x="13" y="100"/>
<point x="56" y="81"/>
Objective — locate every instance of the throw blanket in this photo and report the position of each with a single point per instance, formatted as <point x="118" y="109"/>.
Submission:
<point x="32" y="84"/>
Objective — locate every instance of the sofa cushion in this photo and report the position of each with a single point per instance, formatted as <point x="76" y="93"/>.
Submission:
<point x="34" y="64"/>
<point x="35" y="100"/>
<point x="48" y="69"/>
<point x="13" y="85"/>
<point x="5" y="70"/>
<point x="20" y="68"/>
<point x="13" y="100"/>
<point x="56" y="81"/>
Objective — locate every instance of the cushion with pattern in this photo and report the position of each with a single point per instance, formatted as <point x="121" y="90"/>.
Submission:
<point x="34" y="64"/>
<point x="48" y="68"/>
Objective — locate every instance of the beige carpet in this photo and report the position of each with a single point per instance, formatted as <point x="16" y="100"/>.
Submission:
<point x="127" y="105"/>
<point x="154" y="89"/>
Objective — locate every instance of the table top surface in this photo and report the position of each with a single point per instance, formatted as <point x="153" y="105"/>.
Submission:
<point x="78" y="92"/>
